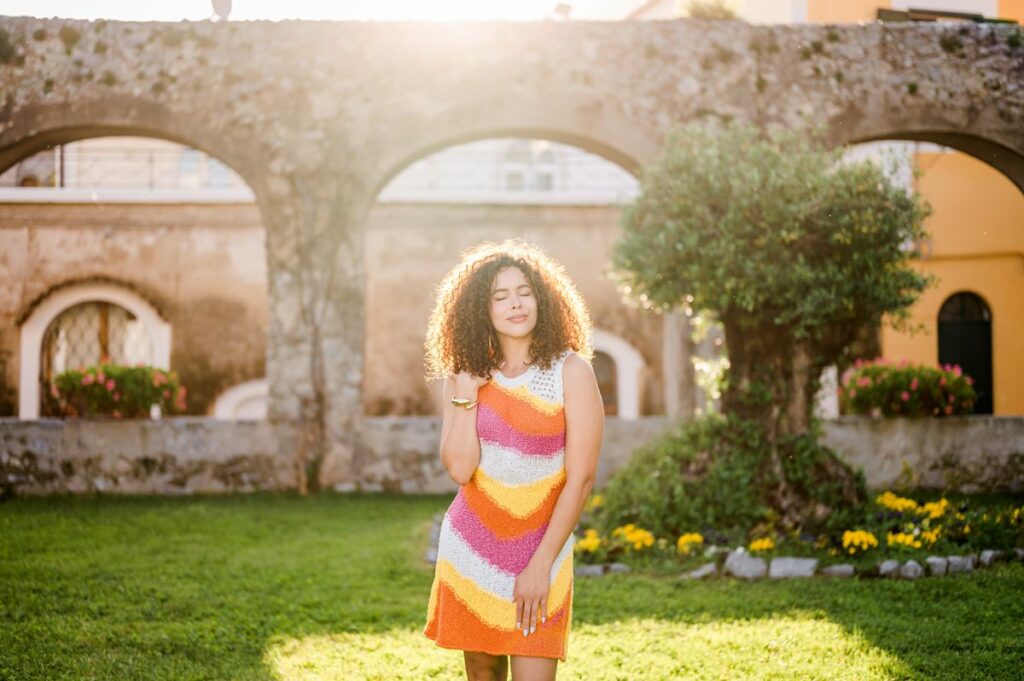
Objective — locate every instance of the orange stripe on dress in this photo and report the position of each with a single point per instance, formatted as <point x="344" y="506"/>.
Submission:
<point x="501" y="522"/>
<point x="528" y="419"/>
<point x="456" y="626"/>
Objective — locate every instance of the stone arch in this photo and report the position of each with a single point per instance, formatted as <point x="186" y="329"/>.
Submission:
<point x="45" y="125"/>
<point x="989" y="151"/>
<point x="34" y="326"/>
<point x="246" y="400"/>
<point x="628" y="365"/>
<point x="603" y="133"/>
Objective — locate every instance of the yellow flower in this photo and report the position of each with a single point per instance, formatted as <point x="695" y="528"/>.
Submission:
<point x="904" y="539"/>
<point x="895" y="503"/>
<point x="763" y="544"/>
<point x="590" y="541"/>
<point x="858" y="540"/>
<point x="636" y="537"/>
<point x="594" y="502"/>
<point x="935" y="509"/>
<point x="687" y="542"/>
<point x="931" y="536"/>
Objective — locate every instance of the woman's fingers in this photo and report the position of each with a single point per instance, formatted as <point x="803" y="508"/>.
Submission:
<point x="519" y="612"/>
<point x="528" y="617"/>
<point x="543" y="609"/>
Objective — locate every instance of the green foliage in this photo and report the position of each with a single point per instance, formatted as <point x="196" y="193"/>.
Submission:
<point x="116" y="390"/>
<point x="710" y="9"/>
<point x="881" y="387"/>
<point x="712" y="475"/>
<point x="773" y="225"/>
<point x="70" y="36"/>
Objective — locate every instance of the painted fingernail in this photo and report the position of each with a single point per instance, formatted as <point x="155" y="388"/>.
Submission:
<point x="519" y="625"/>
<point x="533" y="629"/>
<point x="525" y="632"/>
<point x="542" y="620"/>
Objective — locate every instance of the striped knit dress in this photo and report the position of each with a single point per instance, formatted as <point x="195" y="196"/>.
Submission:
<point x="496" y="521"/>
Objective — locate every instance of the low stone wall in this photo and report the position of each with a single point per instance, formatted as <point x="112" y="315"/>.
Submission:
<point x="202" y="455"/>
<point x="183" y="455"/>
<point x="965" y="453"/>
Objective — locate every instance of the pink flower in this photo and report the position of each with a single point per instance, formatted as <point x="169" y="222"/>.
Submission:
<point x="913" y="384"/>
<point x="970" y="381"/>
<point x="88" y="379"/>
<point x="904" y="396"/>
<point x="949" y="409"/>
<point x="100" y="376"/>
<point x="952" y="398"/>
<point x="904" y="362"/>
<point x="853" y="392"/>
<point x="110" y="384"/>
<point x="957" y="370"/>
<point x="863" y="381"/>
<point x="942" y="380"/>
<point x="167" y="394"/>
<point x="117" y="396"/>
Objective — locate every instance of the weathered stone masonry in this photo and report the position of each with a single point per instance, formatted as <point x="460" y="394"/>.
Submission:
<point x="318" y="116"/>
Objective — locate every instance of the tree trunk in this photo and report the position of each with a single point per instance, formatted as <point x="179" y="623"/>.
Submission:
<point x="773" y="380"/>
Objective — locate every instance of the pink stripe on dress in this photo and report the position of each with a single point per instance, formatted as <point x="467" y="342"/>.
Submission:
<point x="492" y="428"/>
<point x="511" y="555"/>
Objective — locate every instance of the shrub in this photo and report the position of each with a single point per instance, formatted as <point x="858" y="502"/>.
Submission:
<point x="116" y="390"/>
<point x="882" y="388"/>
<point x="711" y="475"/>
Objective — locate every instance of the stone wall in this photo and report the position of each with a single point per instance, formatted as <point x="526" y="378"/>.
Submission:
<point x="190" y="455"/>
<point x="968" y="453"/>
<point x="205" y="269"/>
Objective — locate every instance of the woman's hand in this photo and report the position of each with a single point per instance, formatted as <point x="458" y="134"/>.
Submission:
<point x="531" y="595"/>
<point x="467" y="384"/>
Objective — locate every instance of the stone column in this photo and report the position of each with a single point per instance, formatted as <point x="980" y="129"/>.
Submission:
<point x="677" y="359"/>
<point x="316" y="280"/>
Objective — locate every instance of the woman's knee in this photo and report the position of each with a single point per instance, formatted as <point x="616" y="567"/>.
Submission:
<point x="484" y="667"/>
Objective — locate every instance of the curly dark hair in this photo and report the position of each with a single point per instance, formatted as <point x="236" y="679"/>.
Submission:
<point x="460" y="336"/>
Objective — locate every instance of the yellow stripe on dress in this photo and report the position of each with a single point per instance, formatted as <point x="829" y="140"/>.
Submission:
<point x="519" y="500"/>
<point x="497" y="612"/>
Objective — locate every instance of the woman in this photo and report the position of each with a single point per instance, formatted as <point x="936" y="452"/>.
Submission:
<point x="523" y="419"/>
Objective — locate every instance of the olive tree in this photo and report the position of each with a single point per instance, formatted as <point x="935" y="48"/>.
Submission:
<point x="793" y="248"/>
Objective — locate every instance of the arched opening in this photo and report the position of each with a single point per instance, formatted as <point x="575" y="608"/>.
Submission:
<point x="975" y="240"/>
<point x="965" y="340"/>
<point x="83" y="324"/>
<point x="90" y="333"/>
<point x="547" y="191"/>
<point x="133" y="218"/>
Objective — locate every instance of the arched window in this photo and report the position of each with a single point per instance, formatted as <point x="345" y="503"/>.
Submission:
<point x="79" y="325"/>
<point x="604" y="369"/>
<point x="965" y="338"/>
<point x="89" y="333"/>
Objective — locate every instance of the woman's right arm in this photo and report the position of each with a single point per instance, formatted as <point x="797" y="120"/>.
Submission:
<point x="460" y="446"/>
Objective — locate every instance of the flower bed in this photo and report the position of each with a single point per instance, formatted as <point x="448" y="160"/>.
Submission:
<point x="891" y="528"/>
<point x="882" y="388"/>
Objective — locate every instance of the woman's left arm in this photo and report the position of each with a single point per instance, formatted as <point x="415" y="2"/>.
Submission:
<point x="584" y="428"/>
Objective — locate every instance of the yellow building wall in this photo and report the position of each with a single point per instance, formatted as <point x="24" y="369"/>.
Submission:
<point x="976" y="244"/>
<point x="843" y="11"/>
<point x="1012" y="9"/>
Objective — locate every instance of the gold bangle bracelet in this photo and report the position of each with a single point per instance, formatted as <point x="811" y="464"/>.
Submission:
<point x="464" y="402"/>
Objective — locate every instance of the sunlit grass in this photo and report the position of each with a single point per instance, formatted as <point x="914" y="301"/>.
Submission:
<point x="266" y="587"/>
<point x="793" y="647"/>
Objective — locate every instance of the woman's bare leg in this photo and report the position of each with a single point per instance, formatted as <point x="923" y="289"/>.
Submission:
<point x="484" y="667"/>
<point x="533" y="668"/>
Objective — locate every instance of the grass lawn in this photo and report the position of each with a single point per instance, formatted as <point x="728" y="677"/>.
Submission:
<point x="272" y="586"/>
